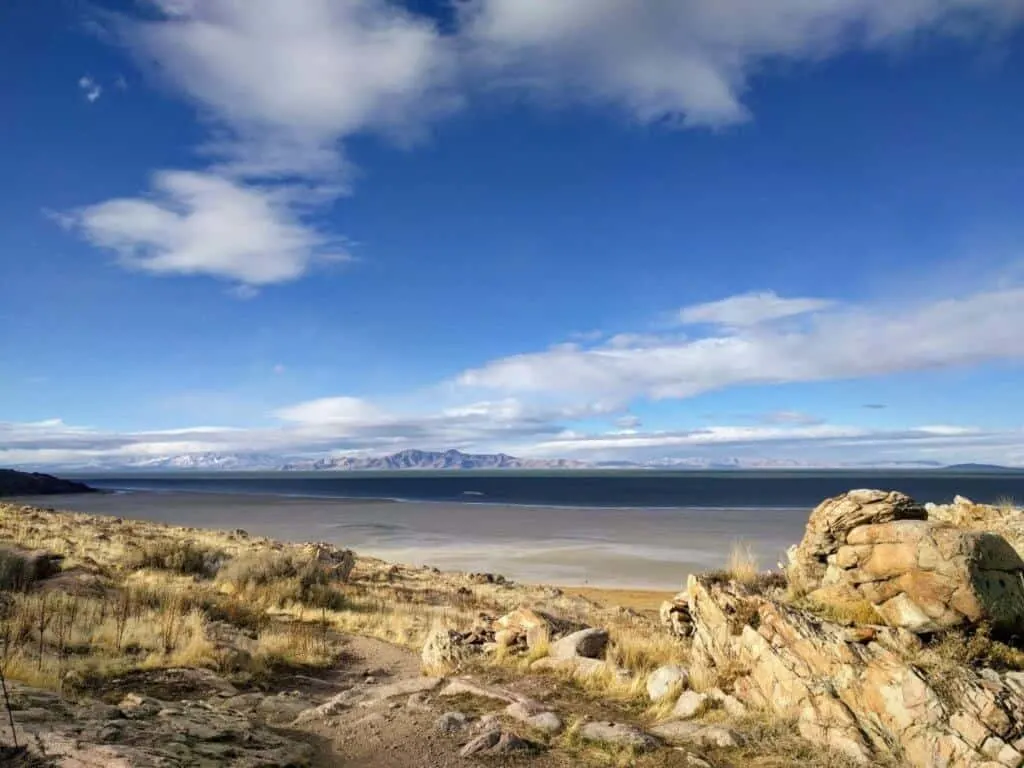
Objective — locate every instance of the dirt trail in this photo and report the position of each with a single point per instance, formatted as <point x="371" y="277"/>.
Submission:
<point x="392" y="733"/>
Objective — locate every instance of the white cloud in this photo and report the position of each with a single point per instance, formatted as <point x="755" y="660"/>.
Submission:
<point x="205" y="224"/>
<point x="847" y="342"/>
<point x="289" y="80"/>
<point x="749" y="309"/>
<point x="90" y="88"/>
<point x="692" y="59"/>
<point x="332" y="410"/>
<point x="346" y="425"/>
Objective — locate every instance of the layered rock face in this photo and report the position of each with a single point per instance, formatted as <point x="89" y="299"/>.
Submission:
<point x="858" y="692"/>
<point x="919" y="574"/>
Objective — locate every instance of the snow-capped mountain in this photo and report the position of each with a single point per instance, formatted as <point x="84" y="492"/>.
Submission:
<point x="415" y="459"/>
<point x="209" y="461"/>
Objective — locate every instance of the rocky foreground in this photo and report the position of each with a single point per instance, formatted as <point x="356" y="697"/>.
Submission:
<point x="891" y="637"/>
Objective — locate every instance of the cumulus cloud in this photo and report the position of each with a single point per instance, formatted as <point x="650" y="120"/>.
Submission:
<point x="692" y="59"/>
<point x="283" y="84"/>
<point x="90" y="88"/>
<point x="846" y="342"/>
<point x="289" y="80"/>
<point x="749" y="309"/>
<point x="204" y="224"/>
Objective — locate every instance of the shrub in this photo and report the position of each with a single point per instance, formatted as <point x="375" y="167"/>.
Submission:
<point x="184" y="557"/>
<point x="20" y="570"/>
<point x="279" y="578"/>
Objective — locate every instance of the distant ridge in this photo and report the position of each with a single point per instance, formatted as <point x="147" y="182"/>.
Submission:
<point x="983" y="468"/>
<point x="14" y="483"/>
<point x="415" y="459"/>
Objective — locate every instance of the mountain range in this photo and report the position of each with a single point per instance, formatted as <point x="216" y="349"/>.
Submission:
<point x="458" y="460"/>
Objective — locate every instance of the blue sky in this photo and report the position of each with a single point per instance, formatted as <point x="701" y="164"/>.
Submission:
<point x="594" y="230"/>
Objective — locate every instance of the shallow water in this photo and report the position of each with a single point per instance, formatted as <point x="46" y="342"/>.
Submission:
<point x="601" y="546"/>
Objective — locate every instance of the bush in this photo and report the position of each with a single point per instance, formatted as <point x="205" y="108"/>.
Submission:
<point x="184" y="557"/>
<point x="20" y="570"/>
<point x="277" y="577"/>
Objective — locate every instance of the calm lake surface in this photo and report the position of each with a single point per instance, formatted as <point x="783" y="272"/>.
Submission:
<point x="635" y="529"/>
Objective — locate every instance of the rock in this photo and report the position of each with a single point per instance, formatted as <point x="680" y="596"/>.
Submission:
<point x="696" y="761"/>
<point x="619" y="734"/>
<point x="484" y="741"/>
<point x="444" y="650"/>
<point x="588" y="643"/>
<point x="463" y="685"/>
<point x="863" y="700"/>
<point x="830" y="523"/>
<point x="535" y="716"/>
<point x="925" y="576"/>
<point x="676" y="731"/>
<point x="187" y="733"/>
<point x="363" y="696"/>
<point x="675" y="615"/>
<point x="418" y="702"/>
<point x="487" y="723"/>
<point x="717" y="736"/>
<point x="664" y="680"/>
<point x="509" y="743"/>
<point x="730" y="704"/>
<point x="451" y="722"/>
<point x="690" y="704"/>
<point x="579" y="666"/>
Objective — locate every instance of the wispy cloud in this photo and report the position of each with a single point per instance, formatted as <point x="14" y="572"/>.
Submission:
<point x="692" y="61"/>
<point x="848" y="341"/>
<point x="749" y="309"/>
<point x="90" y="88"/>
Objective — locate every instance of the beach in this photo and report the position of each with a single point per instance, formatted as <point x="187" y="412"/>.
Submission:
<point x="624" y="548"/>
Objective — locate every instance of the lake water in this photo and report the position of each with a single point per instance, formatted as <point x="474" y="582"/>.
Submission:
<point x="635" y="529"/>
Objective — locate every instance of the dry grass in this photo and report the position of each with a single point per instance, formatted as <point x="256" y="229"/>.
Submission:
<point x="184" y="557"/>
<point x="844" y="611"/>
<point x="1006" y="505"/>
<point x="280" y="578"/>
<point x="743" y="565"/>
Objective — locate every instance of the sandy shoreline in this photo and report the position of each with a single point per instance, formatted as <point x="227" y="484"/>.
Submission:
<point x="639" y="550"/>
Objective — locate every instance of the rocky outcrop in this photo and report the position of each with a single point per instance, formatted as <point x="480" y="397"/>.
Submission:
<point x="922" y="575"/>
<point x="142" y="732"/>
<point x="861" y="695"/>
<point x="13" y="483"/>
<point x="831" y="522"/>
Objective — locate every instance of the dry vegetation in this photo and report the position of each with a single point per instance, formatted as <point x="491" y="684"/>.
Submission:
<point x="134" y="594"/>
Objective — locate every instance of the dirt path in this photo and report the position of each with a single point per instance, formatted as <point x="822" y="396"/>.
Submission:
<point x="394" y="733"/>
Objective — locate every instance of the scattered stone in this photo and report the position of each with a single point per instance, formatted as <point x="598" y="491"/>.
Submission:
<point x="487" y="723"/>
<point x="451" y="722"/>
<point x="462" y="685"/>
<point x="690" y="704"/>
<point x="535" y="716"/>
<point x="509" y="743"/>
<point x="418" y="702"/>
<point x="484" y="741"/>
<point x="664" y="680"/>
<point x="619" y="734"/>
<point x="677" y="731"/>
<point x="696" y="761"/>
<point x="717" y="736"/>
<point x="445" y="650"/>
<point x="588" y="643"/>
<point x="675" y="615"/>
<point x="368" y="696"/>
<point x="730" y="704"/>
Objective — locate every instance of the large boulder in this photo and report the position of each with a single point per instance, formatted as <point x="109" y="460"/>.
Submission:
<point x="445" y="650"/>
<point x="925" y="576"/>
<point x="588" y="643"/>
<point x="832" y="521"/>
